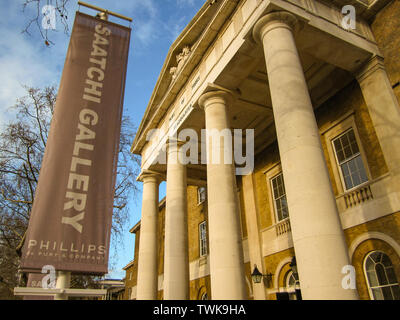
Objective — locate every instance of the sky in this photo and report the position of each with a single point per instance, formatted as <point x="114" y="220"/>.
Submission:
<point x="26" y="60"/>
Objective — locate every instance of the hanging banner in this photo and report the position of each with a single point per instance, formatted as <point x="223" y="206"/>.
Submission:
<point x="71" y="218"/>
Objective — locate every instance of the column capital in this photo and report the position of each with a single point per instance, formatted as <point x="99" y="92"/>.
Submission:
<point x="172" y="143"/>
<point x="148" y="175"/>
<point x="206" y="99"/>
<point x="270" y="21"/>
<point x="368" y="68"/>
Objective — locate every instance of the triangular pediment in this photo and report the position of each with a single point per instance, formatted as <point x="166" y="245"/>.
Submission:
<point x="183" y="56"/>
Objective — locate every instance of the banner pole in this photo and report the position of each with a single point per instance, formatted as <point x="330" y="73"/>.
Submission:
<point x="63" y="282"/>
<point x="104" y="10"/>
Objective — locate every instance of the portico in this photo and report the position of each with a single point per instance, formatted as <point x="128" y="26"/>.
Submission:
<point x="266" y="66"/>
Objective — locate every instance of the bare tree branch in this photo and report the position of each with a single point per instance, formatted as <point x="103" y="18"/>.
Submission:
<point x="60" y="11"/>
<point x="22" y="145"/>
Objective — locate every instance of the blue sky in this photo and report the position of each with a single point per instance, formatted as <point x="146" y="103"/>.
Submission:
<point x="25" y="60"/>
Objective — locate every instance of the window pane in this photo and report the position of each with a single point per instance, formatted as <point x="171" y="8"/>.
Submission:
<point x="386" y="260"/>
<point x="338" y="145"/>
<point x="376" y="256"/>
<point x="352" y="166"/>
<point x="370" y="264"/>
<point x="391" y="275"/>
<point x="354" y="172"/>
<point x="346" y="176"/>
<point x="347" y="152"/>
<point x="361" y="168"/>
<point x="387" y="293"/>
<point x="377" y="293"/>
<point x="203" y="238"/>
<point x="345" y="140"/>
<point x="276" y="194"/>
<point x="340" y="156"/>
<point x="380" y="272"/>
<point x="345" y="169"/>
<point x="285" y="211"/>
<point x="354" y="148"/>
<point x="373" y="280"/>
<point x="351" y="136"/>
<point x="356" y="178"/>
<point x="396" y="292"/>
<point x="280" y="215"/>
<point x="292" y="280"/>
<point x="278" y="205"/>
<point x="279" y="194"/>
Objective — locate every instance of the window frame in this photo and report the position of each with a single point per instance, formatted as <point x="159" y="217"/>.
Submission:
<point x="337" y="129"/>
<point x="273" y="196"/>
<point x="370" y="291"/>
<point x="203" y="241"/>
<point x="354" y="156"/>
<point x="199" y="201"/>
<point x="204" y="296"/>
<point x="270" y="174"/>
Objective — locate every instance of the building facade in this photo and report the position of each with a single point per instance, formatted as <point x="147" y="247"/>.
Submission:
<point x="315" y="204"/>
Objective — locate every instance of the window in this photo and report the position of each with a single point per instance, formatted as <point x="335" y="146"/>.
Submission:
<point x="279" y="194"/>
<point x="290" y="280"/>
<point x="382" y="280"/>
<point x="292" y="286"/>
<point x="349" y="160"/>
<point x="201" y="195"/>
<point x="203" y="238"/>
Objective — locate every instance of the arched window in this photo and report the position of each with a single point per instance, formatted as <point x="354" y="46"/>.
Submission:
<point x="204" y="296"/>
<point x="290" y="280"/>
<point x="291" y="286"/>
<point x="382" y="280"/>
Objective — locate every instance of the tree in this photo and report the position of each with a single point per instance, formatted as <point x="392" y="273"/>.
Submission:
<point x="22" y="145"/>
<point x="45" y="16"/>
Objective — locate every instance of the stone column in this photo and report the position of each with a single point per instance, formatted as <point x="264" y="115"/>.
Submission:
<point x="147" y="277"/>
<point x="226" y="252"/>
<point x="319" y="243"/>
<point x="63" y="282"/>
<point x="176" y="260"/>
<point x="383" y="108"/>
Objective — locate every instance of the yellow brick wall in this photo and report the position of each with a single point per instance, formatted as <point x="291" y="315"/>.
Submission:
<point x="200" y="286"/>
<point x="271" y="263"/>
<point x="267" y="158"/>
<point x="390" y="226"/>
<point x="386" y="28"/>
<point x="197" y="213"/>
<point x="350" y="98"/>
<point x="131" y="272"/>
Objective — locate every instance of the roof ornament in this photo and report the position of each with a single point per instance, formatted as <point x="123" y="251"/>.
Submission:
<point x="180" y="59"/>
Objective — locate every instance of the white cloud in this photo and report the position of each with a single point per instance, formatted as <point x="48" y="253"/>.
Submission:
<point x="24" y="59"/>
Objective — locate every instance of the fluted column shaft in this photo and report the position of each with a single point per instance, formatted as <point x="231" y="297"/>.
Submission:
<point x="319" y="243"/>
